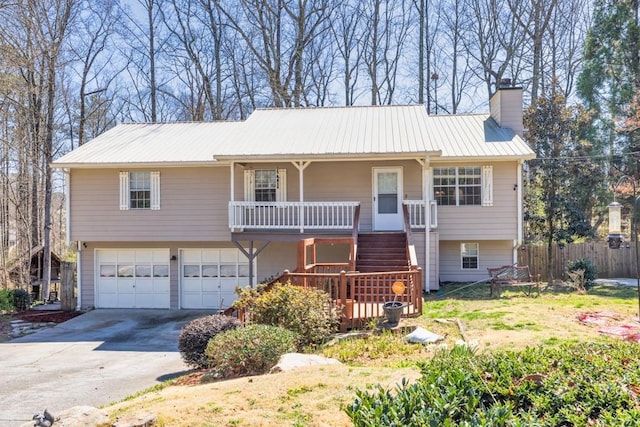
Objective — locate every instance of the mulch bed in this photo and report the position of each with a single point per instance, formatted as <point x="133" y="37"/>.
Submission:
<point x="40" y="316"/>
<point x="55" y="316"/>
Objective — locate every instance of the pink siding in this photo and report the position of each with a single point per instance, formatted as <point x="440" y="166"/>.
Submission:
<point x="497" y="222"/>
<point x="193" y="207"/>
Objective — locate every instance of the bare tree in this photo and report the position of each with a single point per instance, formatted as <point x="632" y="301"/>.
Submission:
<point x="37" y="34"/>
<point x="97" y="25"/>
<point x="494" y="41"/>
<point x="348" y="33"/>
<point x="386" y="23"/>
<point x="278" y="34"/>
<point x="534" y="17"/>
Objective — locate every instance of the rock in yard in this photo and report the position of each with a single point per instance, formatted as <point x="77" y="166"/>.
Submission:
<point x="78" y="416"/>
<point x="291" y="361"/>
<point x="144" y="420"/>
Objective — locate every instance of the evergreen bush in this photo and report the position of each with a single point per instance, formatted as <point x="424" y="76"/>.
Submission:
<point x="590" y="269"/>
<point x="6" y="300"/>
<point x="196" y="334"/>
<point x="584" y="384"/>
<point x="20" y="299"/>
<point x="250" y="350"/>
<point x="302" y="310"/>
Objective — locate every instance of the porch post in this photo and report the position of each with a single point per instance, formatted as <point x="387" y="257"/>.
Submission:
<point x="251" y="256"/>
<point x="301" y="166"/>
<point x="233" y="182"/>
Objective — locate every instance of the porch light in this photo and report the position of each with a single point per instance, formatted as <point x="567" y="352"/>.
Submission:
<point x="615" y="225"/>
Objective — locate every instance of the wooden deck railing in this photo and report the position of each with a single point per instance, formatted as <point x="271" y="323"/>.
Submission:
<point x="292" y="215"/>
<point x="360" y="296"/>
<point x="418" y="215"/>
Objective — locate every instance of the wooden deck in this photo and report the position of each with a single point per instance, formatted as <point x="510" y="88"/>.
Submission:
<point x="358" y="296"/>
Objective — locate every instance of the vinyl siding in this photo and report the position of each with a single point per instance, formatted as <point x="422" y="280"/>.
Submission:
<point x="193" y="207"/>
<point x="497" y="222"/>
<point x="340" y="181"/>
<point x="491" y="254"/>
<point x="418" y="242"/>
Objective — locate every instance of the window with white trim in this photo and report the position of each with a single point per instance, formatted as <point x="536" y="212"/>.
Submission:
<point x="466" y="185"/>
<point x="265" y="185"/>
<point x="469" y="255"/>
<point x="139" y="190"/>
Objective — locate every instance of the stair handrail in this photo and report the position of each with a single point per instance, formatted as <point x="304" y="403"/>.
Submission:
<point x="354" y="237"/>
<point x="411" y="252"/>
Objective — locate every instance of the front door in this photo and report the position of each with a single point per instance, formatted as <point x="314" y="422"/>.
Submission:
<point x="387" y="199"/>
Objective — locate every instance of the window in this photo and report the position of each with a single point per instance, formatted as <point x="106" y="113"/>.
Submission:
<point x="139" y="190"/>
<point x="457" y="186"/>
<point x="469" y="255"/>
<point x="469" y="185"/>
<point x="265" y="185"/>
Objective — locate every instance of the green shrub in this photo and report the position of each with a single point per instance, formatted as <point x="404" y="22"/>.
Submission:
<point x="196" y="334"/>
<point x="250" y="350"/>
<point x="6" y="300"/>
<point x="304" y="311"/>
<point x="20" y="299"/>
<point x="578" y="385"/>
<point x="590" y="269"/>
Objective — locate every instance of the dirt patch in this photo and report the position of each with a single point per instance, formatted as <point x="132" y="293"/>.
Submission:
<point x="311" y="397"/>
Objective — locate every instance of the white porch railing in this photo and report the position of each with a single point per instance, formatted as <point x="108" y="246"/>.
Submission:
<point x="292" y="215"/>
<point x="417" y="216"/>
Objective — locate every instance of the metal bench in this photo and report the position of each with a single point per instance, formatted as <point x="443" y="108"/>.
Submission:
<point x="512" y="275"/>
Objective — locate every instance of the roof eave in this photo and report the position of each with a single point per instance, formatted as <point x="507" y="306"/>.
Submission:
<point x="168" y="164"/>
<point x="487" y="158"/>
<point x="327" y="157"/>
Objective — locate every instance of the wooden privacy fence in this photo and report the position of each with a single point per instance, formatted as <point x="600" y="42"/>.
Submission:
<point x="611" y="263"/>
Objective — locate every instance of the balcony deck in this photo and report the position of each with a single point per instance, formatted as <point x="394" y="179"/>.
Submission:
<point x="316" y="217"/>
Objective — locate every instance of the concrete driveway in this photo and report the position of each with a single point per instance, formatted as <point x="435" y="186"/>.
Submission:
<point x="93" y="359"/>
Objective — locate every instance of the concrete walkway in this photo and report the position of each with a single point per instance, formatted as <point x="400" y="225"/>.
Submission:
<point x="94" y="359"/>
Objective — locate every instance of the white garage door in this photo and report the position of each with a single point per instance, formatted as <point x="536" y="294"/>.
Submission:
<point x="209" y="277"/>
<point x="132" y="278"/>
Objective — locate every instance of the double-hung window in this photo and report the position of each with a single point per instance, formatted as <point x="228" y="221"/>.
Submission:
<point x="265" y="185"/>
<point x="139" y="190"/>
<point x="469" y="254"/>
<point x="466" y="185"/>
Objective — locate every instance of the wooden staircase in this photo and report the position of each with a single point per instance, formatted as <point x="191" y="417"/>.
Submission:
<point x="379" y="252"/>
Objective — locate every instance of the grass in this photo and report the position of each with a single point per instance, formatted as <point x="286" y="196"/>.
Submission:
<point x="316" y="396"/>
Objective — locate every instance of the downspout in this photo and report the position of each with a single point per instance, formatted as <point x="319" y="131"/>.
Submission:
<point x="520" y="212"/>
<point x="232" y="187"/>
<point x="427" y="221"/>
<point x="427" y="224"/>
<point x="67" y="204"/>
<point x="79" y="276"/>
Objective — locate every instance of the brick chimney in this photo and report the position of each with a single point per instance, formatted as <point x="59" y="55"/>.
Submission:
<point x="505" y="107"/>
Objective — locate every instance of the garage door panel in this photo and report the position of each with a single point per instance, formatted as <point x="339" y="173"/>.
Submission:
<point x="130" y="278"/>
<point x="220" y="271"/>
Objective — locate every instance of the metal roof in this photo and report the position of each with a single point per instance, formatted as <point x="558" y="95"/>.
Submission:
<point x="153" y="143"/>
<point x="328" y="131"/>
<point x="476" y="135"/>
<point x="323" y="132"/>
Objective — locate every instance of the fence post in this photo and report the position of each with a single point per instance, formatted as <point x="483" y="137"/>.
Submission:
<point x="67" y="286"/>
<point x="342" y="296"/>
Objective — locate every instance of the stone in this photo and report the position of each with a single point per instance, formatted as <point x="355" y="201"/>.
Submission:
<point x="78" y="416"/>
<point x="143" y="420"/>
<point x="292" y="361"/>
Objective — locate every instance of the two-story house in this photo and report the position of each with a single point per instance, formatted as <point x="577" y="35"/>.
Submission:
<point x="177" y="215"/>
